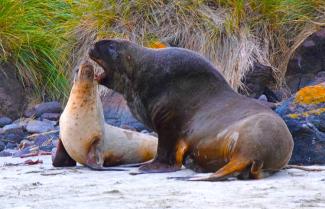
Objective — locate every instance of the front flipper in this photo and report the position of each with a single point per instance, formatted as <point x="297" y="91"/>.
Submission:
<point x="61" y="158"/>
<point x="95" y="160"/>
<point x="169" y="158"/>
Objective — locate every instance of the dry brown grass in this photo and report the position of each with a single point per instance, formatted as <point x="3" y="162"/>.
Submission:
<point x="232" y="34"/>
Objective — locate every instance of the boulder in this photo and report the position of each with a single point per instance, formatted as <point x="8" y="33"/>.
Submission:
<point x="304" y="113"/>
<point x="51" y="116"/>
<point x="307" y="61"/>
<point x="5" y="121"/>
<point x="35" y="126"/>
<point x="117" y="113"/>
<point x="257" y="82"/>
<point x="12" y="93"/>
<point x="45" y="107"/>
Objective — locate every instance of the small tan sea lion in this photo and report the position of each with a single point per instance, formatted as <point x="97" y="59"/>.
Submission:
<point x="200" y="121"/>
<point x="87" y="139"/>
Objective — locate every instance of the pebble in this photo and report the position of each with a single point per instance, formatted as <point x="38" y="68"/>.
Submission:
<point x="36" y="126"/>
<point x="50" y="116"/>
<point x="46" y="107"/>
<point x="5" y="121"/>
<point x="2" y="146"/>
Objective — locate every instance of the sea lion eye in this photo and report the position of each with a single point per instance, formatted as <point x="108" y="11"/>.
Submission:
<point x="112" y="51"/>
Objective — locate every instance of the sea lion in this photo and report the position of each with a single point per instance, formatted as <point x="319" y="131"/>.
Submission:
<point x="87" y="139"/>
<point x="200" y="121"/>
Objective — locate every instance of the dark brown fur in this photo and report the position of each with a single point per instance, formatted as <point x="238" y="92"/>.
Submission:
<point x="201" y="122"/>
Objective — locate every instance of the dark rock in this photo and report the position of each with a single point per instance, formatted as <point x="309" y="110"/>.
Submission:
<point x="36" y="126"/>
<point x="12" y="127"/>
<point x="117" y="113"/>
<point x="2" y="146"/>
<point x="12" y="133"/>
<point x="257" y="82"/>
<point x="5" y="121"/>
<point x="25" y="143"/>
<point x="7" y="153"/>
<point x="12" y="93"/>
<point x="46" y="107"/>
<point x="11" y="145"/>
<point x="22" y="122"/>
<point x="50" y="116"/>
<point x="304" y="114"/>
<point x="307" y="61"/>
<point x="26" y="151"/>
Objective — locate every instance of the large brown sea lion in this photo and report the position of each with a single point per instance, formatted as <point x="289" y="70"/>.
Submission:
<point x="201" y="122"/>
<point x="87" y="139"/>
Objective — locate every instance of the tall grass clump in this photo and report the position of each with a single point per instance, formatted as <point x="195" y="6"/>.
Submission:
<point x="233" y="34"/>
<point x="31" y="37"/>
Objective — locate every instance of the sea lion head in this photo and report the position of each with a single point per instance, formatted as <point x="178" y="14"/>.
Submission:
<point x="85" y="72"/>
<point x="116" y="57"/>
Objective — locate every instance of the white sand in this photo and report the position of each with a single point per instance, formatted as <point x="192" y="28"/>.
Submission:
<point x="42" y="186"/>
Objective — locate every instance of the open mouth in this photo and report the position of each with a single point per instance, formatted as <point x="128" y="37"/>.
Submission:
<point x="100" y="77"/>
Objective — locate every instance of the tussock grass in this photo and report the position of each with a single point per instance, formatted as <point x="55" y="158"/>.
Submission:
<point x="233" y="34"/>
<point x="45" y="38"/>
<point x="31" y="39"/>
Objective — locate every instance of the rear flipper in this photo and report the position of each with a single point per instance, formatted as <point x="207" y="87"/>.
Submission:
<point x="95" y="160"/>
<point x="61" y="158"/>
<point x="244" y="169"/>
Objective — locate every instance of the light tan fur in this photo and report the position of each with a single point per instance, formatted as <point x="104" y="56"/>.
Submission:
<point x="82" y="126"/>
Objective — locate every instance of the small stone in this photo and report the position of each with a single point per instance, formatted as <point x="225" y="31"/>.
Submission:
<point x="46" y="107"/>
<point x="7" y="152"/>
<point x="5" y="121"/>
<point x="263" y="98"/>
<point x="2" y="146"/>
<point x="11" y="127"/>
<point x="50" y="116"/>
<point x="25" y="143"/>
<point x="22" y="122"/>
<point x="11" y="145"/>
<point x="51" y="121"/>
<point x="13" y="133"/>
<point x="36" y="126"/>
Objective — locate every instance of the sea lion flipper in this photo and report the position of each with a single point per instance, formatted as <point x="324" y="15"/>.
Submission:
<point x="95" y="159"/>
<point x="61" y="158"/>
<point x="234" y="166"/>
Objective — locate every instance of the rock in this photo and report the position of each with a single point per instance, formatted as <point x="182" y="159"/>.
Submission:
<point x="257" y="82"/>
<point x="304" y="114"/>
<point x="5" y="121"/>
<point x="307" y="61"/>
<point x="7" y="152"/>
<point x="2" y="146"/>
<point x="25" y="143"/>
<point x="11" y="145"/>
<point x="46" y="107"/>
<point x="12" y="133"/>
<point x="12" y="93"/>
<point x="262" y="98"/>
<point x="117" y="113"/>
<point x="36" y="126"/>
<point x="11" y="127"/>
<point x="51" y="116"/>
